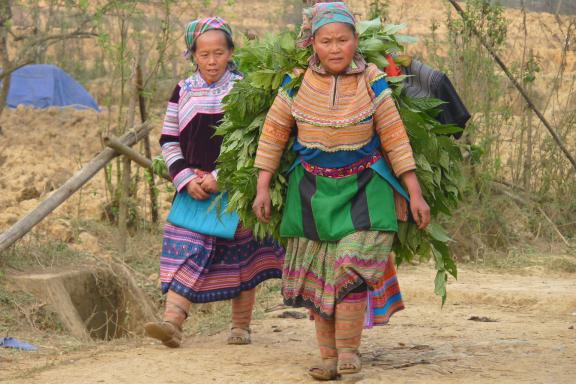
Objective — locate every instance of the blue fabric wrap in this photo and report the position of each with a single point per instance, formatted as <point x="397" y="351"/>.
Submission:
<point x="196" y="215"/>
<point x="344" y="158"/>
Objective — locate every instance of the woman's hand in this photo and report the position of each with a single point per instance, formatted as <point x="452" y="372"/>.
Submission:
<point x="262" y="202"/>
<point x="420" y="211"/>
<point x="262" y="205"/>
<point x="194" y="188"/>
<point x="209" y="184"/>
<point x="418" y="206"/>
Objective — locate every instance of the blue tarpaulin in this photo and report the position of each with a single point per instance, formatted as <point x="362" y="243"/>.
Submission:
<point x="10" y="342"/>
<point x="46" y="85"/>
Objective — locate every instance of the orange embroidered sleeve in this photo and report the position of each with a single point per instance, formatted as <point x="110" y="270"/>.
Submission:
<point x="393" y="136"/>
<point x="275" y="133"/>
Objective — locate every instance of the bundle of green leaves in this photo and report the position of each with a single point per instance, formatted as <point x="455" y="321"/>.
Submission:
<point x="438" y="157"/>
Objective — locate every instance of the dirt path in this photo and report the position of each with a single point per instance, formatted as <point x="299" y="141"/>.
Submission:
<point x="531" y="341"/>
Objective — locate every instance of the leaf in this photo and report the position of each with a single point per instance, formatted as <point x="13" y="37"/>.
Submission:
<point x="414" y="237"/>
<point x="372" y="45"/>
<point x="365" y="26"/>
<point x="406" y="39"/>
<point x="262" y="79"/>
<point x="440" y="285"/>
<point x="402" y="231"/>
<point x="451" y="266"/>
<point x="391" y="29"/>
<point x="426" y="103"/>
<point x="437" y="232"/>
<point x="423" y="163"/>
<point x="424" y="250"/>
<point x="403" y="253"/>
<point x="287" y="42"/>
<point x="396" y="79"/>
<point x="445" y="161"/>
<point x="378" y="60"/>
<point x="447" y="129"/>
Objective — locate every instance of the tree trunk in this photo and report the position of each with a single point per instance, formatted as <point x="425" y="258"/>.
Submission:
<point x="125" y="188"/>
<point x="147" y="150"/>
<point x="124" y="204"/>
<point x="5" y="16"/>
<point x="558" y="7"/>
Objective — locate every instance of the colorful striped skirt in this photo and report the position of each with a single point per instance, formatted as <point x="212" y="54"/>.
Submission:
<point x="317" y="275"/>
<point x="207" y="268"/>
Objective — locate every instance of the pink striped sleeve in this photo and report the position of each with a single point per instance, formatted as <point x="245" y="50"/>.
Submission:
<point x="180" y="173"/>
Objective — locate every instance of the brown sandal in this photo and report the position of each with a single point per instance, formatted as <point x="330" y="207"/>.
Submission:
<point x="327" y="371"/>
<point x="239" y="339"/>
<point x="350" y="363"/>
<point x="168" y="333"/>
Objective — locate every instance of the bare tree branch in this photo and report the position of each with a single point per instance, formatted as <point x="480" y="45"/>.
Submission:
<point x="13" y="68"/>
<point x="518" y="86"/>
<point x="57" y="38"/>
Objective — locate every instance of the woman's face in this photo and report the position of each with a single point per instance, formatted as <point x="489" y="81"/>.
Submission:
<point x="212" y="55"/>
<point x="335" y="44"/>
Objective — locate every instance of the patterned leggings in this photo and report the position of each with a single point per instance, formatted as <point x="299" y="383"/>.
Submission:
<point x="343" y="333"/>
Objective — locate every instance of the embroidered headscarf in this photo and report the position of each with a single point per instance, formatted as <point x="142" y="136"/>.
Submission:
<point x="199" y="26"/>
<point x="320" y="15"/>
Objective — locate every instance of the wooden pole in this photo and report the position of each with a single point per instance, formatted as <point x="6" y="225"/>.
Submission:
<point x="25" y="224"/>
<point x="518" y="86"/>
<point x="125" y="150"/>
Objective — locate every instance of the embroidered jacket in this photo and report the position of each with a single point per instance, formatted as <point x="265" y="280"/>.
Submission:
<point x="336" y="113"/>
<point x="193" y="111"/>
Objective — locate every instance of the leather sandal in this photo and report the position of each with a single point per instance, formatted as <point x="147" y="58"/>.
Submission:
<point x="241" y="338"/>
<point x="168" y="333"/>
<point x="349" y="363"/>
<point x="326" y="371"/>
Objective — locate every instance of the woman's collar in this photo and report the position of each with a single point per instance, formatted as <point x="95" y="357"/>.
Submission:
<point x="358" y="65"/>
<point x="199" y="81"/>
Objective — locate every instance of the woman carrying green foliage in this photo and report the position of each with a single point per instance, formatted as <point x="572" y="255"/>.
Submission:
<point x="203" y="262"/>
<point x="343" y="201"/>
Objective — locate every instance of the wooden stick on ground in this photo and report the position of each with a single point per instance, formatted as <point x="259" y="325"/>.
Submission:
<point x="25" y="224"/>
<point x="518" y="86"/>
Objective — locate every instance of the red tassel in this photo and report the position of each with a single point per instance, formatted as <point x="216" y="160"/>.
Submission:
<point x="392" y="69"/>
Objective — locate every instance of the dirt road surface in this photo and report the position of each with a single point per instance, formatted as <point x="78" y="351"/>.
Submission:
<point x="530" y="338"/>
